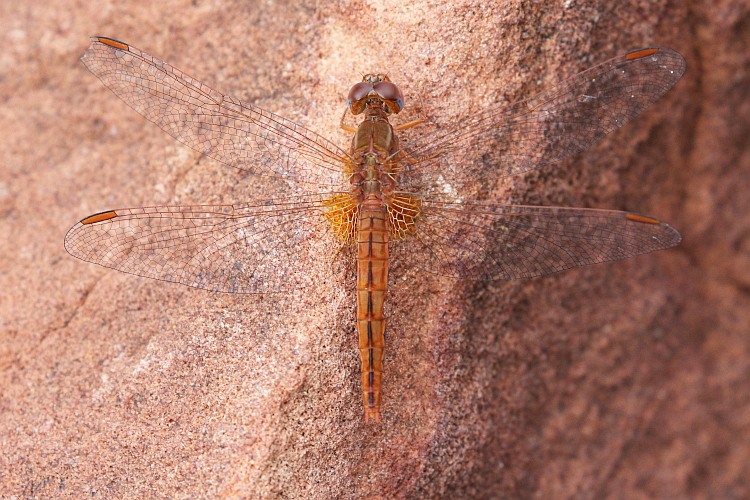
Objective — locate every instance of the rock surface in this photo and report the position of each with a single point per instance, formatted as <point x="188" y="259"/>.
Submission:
<point x="622" y="380"/>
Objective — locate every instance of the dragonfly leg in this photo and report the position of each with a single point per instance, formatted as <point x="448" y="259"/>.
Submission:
<point x="410" y="124"/>
<point x="418" y="121"/>
<point x="348" y="128"/>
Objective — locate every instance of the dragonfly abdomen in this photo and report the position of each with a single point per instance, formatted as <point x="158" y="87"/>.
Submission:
<point x="372" y="285"/>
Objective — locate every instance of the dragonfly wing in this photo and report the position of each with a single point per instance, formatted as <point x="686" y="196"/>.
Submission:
<point x="566" y="119"/>
<point x="226" y="129"/>
<point x="490" y="241"/>
<point x="242" y="248"/>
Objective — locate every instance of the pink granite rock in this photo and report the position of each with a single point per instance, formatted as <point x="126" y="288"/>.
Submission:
<point x="626" y="380"/>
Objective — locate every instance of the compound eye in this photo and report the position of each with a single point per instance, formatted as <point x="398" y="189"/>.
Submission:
<point x="390" y="93"/>
<point x="358" y="92"/>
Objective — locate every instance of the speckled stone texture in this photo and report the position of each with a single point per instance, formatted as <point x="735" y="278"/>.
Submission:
<point x="621" y="380"/>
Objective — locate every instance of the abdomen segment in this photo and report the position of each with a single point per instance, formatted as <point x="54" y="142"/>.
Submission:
<point x="372" y="285"/>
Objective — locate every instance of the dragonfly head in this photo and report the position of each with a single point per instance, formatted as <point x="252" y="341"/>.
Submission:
<point x="378" y="87"/>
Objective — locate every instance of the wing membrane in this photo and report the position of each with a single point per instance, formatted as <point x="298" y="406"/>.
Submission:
<point x="242" y="248"/>
<point x="565" y="119"/>
<point x="263" y="247"/>
<point x="226" y="129"/>
<point x="490" y="241"/>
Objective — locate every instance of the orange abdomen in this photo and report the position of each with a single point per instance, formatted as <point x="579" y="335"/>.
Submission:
<point x="372" y="285"/>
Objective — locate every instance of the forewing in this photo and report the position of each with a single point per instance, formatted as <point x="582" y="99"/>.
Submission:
<point x="564" y="120"/>
<point x="490" y="241"/>
<point x="216" y="125"/>
<point x="260" y="248"/>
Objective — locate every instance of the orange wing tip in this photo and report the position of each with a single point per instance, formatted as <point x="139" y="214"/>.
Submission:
<point x="642" y="218"/>
<point x="113" y="43"/>
<point x="91" y="219"/>
<point x="637" y="54"/>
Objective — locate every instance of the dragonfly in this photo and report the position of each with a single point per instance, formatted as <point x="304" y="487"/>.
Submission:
<point x="380" y="199"/>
